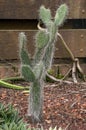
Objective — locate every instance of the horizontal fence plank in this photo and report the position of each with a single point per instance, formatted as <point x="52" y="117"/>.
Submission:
<point x="21" y="9"/>
<point x="75" y="39"/>
<point x="77" y="8"/>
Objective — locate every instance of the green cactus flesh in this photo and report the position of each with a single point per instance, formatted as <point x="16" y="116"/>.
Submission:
<point x="45" y="43"/>
<point x="38" y="70"/>
<point x="27" y="73"/>
<point x="61" y="14"/>
<point x="36" y="100"/>
<point x="25" y="58"/>
<point x="45" y="15"/>
<point x="41" y="39"/>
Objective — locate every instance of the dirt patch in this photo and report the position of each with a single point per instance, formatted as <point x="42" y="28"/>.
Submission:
<point x="64" y="105"/>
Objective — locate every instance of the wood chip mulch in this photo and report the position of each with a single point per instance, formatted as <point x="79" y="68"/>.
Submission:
<point x="64" y="105"/>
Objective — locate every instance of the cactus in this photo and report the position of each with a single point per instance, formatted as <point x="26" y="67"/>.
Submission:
<point x="35" y="71"/>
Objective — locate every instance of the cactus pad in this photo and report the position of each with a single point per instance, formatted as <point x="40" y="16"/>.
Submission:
<point x="27" y="73"/>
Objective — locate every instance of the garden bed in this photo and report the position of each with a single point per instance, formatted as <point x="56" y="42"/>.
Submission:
<point x="64" y="105"/>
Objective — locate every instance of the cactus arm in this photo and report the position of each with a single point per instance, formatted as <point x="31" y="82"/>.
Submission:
<point x="42" y="39"/>
<point x="48" y="50"/>
<point x="45" y="15"/>
<point x="25" y="59"/>
<point x="27" y="73"/>
<point x="61" y="15"/>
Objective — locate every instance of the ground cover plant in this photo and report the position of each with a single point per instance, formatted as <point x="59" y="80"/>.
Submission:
<point x="10" y="119"/>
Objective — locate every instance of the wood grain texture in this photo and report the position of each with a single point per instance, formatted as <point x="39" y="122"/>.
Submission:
<point x="22" y="9"/>
<point x="77" y="8"/>
<point x="75" y="39"/>
<point x="7" y="70"/>
<point x="64" y="68"/>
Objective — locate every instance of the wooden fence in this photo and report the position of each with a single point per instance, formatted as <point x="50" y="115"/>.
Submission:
<point x="21" y="9"/>
<point x="21" y="15"/>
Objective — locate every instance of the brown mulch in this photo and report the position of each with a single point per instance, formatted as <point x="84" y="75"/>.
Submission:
<point x="64" y="105"/>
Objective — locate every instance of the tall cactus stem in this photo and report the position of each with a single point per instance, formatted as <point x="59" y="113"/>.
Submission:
<point x="45" y="45"/>
<point x="36" y="101"/>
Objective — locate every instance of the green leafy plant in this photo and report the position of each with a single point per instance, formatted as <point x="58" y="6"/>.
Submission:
<point x="10" y="119"/>
<point x="3" y="83"/>
<point x="13" y="126"/>
<point x="35" y="71"/>
<point x="8" y="114"/>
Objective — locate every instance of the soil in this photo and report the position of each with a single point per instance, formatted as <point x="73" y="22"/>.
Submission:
<point x="64" y="105"/>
